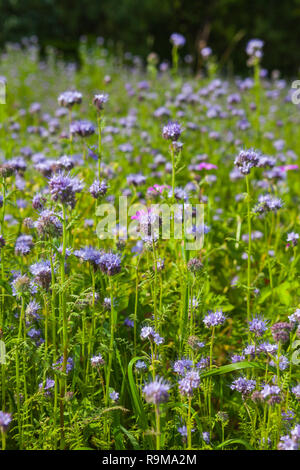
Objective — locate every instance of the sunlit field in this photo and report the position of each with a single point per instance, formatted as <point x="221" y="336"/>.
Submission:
<point x="116" y="334"/>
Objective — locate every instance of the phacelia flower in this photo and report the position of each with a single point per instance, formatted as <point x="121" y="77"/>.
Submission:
<point x="89" y="254"/>
<point x="190" y="381"/>
<point x="182" y="366"/>
<point x="110" y="263"/>
<point x="267" y="203"/>
<point x="82" y="128"/>
<point x="23" y="245"/>
<point x="292" y="238"/>
<point x="296" y="391"/>
<point x="172" y="131"/>
<point x="5" y="420"/>
<point x="254" y="48"/>
<point x="48" y="224"/>
<point x="42" y="273"/>
<point x="214" y="319"/>
<point x="69" y="98"/>
<point x="63" y="188"/>
<point x="281" y="331"/>
<point x="99" y="100"/>
<point x="243" y="385"/>
<point x="178" y="40"/>
<point x="114" y="396"/>
<point x="98" y="189"/>
<point x="257" y="326"/>
<point x="246" y="160"/>
<point x="97" y="360"/>
<point x="156" y="392"/>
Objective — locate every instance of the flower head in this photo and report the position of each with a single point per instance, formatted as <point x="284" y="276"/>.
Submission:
<point x="178" y="40"/>
<point x="190" y="381"/>
<point x="157" y="391"/>
<point x="172" y="131"/>
<point x="5" y="420"/>
<point x="63" y="188"/>
<point x="214" y="319"/>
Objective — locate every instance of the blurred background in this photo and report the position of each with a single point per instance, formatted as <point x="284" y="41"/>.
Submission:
<point x="142" y="26"/>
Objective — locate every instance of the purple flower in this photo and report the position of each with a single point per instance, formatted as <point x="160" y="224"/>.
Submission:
<point x="295" y="317"/>
<point x="296" y="391"/>
<point x="21" y="284"/>
<point x="156" y="392"/>
<point x="190" y="381"/>
<point x="283" y="362"/>
<point x="63" y="189"/>
<point x="32" y="310"/>
<point x="89" y="254"/>
<point x="69" y="98"/>
<point x="110" y="263"/>
<point x="203" y="363"/>
<point x="149" y="332"/>
<point x="128" y="322"/>
<point x="246" y="160"/>
<point x="140" y="365"/>
<point x="254" y="48"/>
<point x="293" y="238"/>
<point x="183" y="431"/>
<point x="257" y="326"/>
<point x="281" y="331"/>
<point x="23" y="245"/>
<point x="50" y="383"/>
<point x="48" y="224"/>
<point x="38" y="201"/>
<point x="267" y="203"/>
<point x="114" y="396"/>
<point x="214" y="319"/>
<point x="177" y="40"/>
<point x="98" y="189"/>
<point x="99" y="100"/>
<point x="172" y="131"/>
<point x="82" y="128"/>
<point x="5" y="420"/>
<point x="243" y="385"/>
<point x="59" y="364"/>
<point x="269" y="390"/>
<point x="287" y="443"/>
<point x="182" y="366"/>
<point x="206" y="52"/>
<point x="97" y="360"/>
<point x="42" y="273"/>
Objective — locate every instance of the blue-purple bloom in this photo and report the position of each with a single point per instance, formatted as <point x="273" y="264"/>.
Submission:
<point x="190" y="381"/>
<point x="172" y="131"/>
<point x="257" y="326"/>
<point x="214" y="319"/>
<point x="156" y="392"/>
<point x="178" y="40"/>
<point x="63" y="188"/>
<point x="5" y="420"/>
<point x="243" y="385"/>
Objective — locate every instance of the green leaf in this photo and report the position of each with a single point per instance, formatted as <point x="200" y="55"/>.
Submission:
<point x="137" y="403"/>
<point x="234" y="441"/>
<point x="232" y="367"/>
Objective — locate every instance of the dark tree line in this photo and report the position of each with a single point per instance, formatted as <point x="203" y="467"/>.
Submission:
<point x="141" y="26"/>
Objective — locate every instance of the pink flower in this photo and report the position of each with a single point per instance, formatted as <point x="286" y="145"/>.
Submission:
<point x="157" y="188"/>
<point x="206" y="166"/>
<point x="289" y="167"/>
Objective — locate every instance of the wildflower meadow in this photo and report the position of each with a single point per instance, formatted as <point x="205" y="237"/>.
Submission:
<point x="149" y="239"/>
